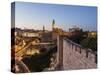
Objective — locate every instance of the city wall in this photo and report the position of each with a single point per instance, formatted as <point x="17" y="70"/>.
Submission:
<point x="72" y="56"/>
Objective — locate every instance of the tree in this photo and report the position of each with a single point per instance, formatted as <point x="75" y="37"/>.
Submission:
<point x="77" y="35"/>
<point x="90" y="43"/>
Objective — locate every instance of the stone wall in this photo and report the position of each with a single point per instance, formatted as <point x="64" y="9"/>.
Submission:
<point x="77" y="57"/>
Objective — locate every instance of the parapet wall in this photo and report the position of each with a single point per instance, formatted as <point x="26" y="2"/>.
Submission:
<point x="77" y="57"/>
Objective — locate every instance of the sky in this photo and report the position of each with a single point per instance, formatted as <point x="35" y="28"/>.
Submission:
<point x="36" y="15"/>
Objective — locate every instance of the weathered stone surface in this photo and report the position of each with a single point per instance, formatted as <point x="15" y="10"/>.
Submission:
<point x="73" y="59"/>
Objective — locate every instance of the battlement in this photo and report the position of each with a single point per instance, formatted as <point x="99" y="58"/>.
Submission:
<point x="87" y="53"/>
<point x="73" y="56"/>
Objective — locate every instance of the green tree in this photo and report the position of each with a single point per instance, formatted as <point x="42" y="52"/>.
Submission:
<point x="90" y="43"/>
<point x="78" y="35"/>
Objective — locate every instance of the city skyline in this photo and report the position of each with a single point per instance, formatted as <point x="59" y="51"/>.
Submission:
<point x="53" y="37"/>
<point x="37" y="15"/>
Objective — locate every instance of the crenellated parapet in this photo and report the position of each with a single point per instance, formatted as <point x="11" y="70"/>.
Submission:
<point x="73" y="56"/>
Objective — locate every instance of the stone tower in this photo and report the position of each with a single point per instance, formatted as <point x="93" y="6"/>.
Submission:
<point x="53" y="24"/>
<point x="43" y="29"/>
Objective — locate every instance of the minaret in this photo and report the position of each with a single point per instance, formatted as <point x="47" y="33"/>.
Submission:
<point x="53" y="24"/>
<point x="43" y="29"/>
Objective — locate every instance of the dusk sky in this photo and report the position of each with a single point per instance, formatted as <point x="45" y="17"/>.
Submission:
<point x="35" y="16"/>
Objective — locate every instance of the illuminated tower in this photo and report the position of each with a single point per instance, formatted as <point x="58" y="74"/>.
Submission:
<point x="54" y="34"/>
